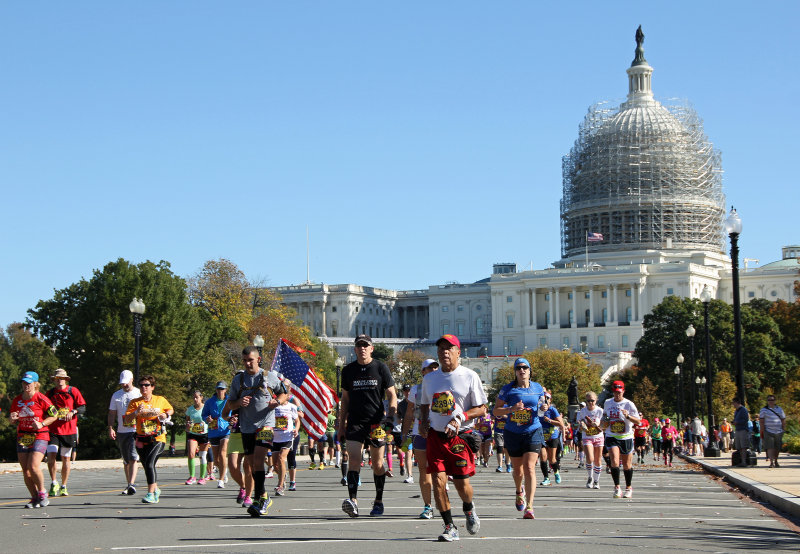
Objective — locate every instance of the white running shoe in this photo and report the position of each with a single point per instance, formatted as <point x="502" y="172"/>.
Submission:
<point x="409" y="480"/>
<point x="220" y="484"/>
<point x="628" y="493"/>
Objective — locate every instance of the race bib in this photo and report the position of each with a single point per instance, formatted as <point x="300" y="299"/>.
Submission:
<point x="213" y="424"/>
<point x="265" y="434"/>
<point x="592" y="429"/>
<point x="198" y="428"/>
<point x="501" y="424"/>
<point x="618" y="427"/>
<point x="150" y="427"/>
<point x="547" y="434"/>
<point x="281" y="423"/>
<point x="522" y="417"/>
<point x="377" y="433"/>
<point x="443" y="403"/>
<point x="62" y="413"/>
<point x="26" y="440"/>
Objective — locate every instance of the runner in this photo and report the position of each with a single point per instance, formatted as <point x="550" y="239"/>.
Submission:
<point x="668" y="435"/>
<point x="484" y="427"/>
<point x="499" y="443"/>
<point x="411" y="423"/>
<point x="365" y="382"/>
<point x="287" y="424"/>
<point x="640" y="432"/>
<point x="521" y="400"/>
<point x="33" y="412"/>
<point x="149" y="412"/>
<point x="219" y="430"/>
<point x="451" y="400"/>
<point x="619" y="417"/>
<point x="589" y="418"/>
<point x="124" y="435"/>
<point x="69" y="402"/>
<point x="238" y="465"/>
<point x="196" y="439"/>
<point x="552" y="432"/>
<point x="655" y="438"/>
<point x="291" y="457"/>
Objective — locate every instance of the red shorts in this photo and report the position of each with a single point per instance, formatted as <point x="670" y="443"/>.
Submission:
<point x="451" y="456"/>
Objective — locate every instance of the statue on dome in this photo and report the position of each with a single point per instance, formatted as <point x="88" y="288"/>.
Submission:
<point x="639" y="37"/>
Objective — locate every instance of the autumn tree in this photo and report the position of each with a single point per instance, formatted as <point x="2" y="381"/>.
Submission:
<point x="722" y="392"/>
<point x="223" y="292"/>
<point x="646" y="398"/>
<point x="409" y="367"/>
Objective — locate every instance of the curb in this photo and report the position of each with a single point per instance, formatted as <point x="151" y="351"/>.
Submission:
<point x="784" y="501"/>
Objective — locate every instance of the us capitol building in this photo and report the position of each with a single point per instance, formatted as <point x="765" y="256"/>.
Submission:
<point x="641" y="218"/>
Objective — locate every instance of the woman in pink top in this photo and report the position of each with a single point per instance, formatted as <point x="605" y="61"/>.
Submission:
<point x="668" y="436"/>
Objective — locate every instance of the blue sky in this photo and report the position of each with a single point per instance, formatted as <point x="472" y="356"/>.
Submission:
<point x="419" y="141"/>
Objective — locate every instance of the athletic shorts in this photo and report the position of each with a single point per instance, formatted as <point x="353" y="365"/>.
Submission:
<point x="593" y="440"/>
<point x="741" y="440"/>
<point x="697" y="439"/>
<point x="553" y="444"/>
<point x="38" y="445"/>
<point x="625" y="445"/>
<point x="235" y="443"/>
<point x="518" y="444"/>
<point x="656" y="446"/>
<point x="63" y="441"/>
<point x="216" y="441"/>
<point x="486" y="438"/>
<point x="419" y="442"/>
<point x="397" y="437"/>
<point x="370" y="435"/>
<point x="276" y="446"/>
<point x="127" y="447"/>
<point x="499" y="441"/>
<point x="249" y="443"/>
<point x="639" y="442"/>
<point x="201" y="439"/>
<point x="449" y="455"/>
<point x="328" y="437"/>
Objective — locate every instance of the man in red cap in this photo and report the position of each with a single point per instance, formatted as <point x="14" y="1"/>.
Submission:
<point x="619" y="417"/>
<point x="451" y="400"/>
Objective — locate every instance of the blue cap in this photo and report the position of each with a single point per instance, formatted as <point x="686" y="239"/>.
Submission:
<point x="521" y="361"/>
<point x="30" y="377"/>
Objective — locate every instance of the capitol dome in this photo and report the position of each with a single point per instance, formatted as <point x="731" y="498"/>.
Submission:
<point x="641" y="176"/>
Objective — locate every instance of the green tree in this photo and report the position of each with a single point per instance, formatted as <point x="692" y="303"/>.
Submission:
<point x="409" y="367"/>
<point x="722" y="393"/>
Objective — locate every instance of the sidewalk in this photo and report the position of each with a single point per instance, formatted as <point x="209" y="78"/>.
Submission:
<point x="780" y="487"/>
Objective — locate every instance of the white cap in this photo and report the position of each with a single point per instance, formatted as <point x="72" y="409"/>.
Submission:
<point x="125" y="377"/>
<point x="427" y="363"/>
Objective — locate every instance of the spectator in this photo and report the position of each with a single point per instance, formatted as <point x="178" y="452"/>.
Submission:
<point x="773" y="424"/>
<point x="741" y="439"/>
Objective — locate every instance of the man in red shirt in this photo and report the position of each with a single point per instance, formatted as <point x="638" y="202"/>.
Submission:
<point x="640" y="435"/>
<point x="69" y="402"/>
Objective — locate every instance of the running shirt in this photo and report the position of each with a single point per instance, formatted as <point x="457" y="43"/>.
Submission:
<point x="194" y="417"/>
<point x="366" y="386"/>
<point x="550" y="431"/>
<point x="414" y="396"/>
<point x="500" y="424"/>
<point x="285" y="417"/>
<point x="641" y="429"/>
<point x="217" y="427"/>
<point x="655" y="432"/>
<point x="38" y="408"/>
<point x="484" y="426"/>
<point x="591" y="418"/>
<point x="523" y="421"/>
<point x="619" y="427"/>
<point x="452" y="392"/>
<point x="65" y="401"/>
<point x="669" y="433"/>
<point x="262" y="387"/>
<point x="146" y="414"/>
<point x="119" y="404"/>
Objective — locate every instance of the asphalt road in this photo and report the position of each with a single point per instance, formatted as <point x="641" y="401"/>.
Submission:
<point x="672" y="509"/>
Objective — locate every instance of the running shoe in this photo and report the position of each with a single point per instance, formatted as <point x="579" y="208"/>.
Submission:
<point x="344" y="481"/>
<point x="473" y="521"/>
<point x="201" y="481"/>
<point x="617" y="492"/>
<point x="241" y="496"/>
<point x="220" y="484"/>
<point x="247" y="502"/>
<point x="292" y="486"/>
<point x="596" y="485"/>
<point x="499" y="470"/>
<point x="157" y="494"/>
<point x="64" y="491"/>
<point x="777" y="464"/>
<point x="210" y="477"/>
<point x="589" y="483"/>
<point x="377" y="509"/>
<point x="43" y="500"/>
<point x="270" y="475"/>
<point x="279" y="491"/>
<point x="32" y="503"/>
<point x="389" y="473"/>
<point x="191" y="481"/>
<point x="545" y="482"/>
<point x="54" y="489"/>
<point x="528" y="515"/>
<point x="321" y="466"/>
<point x="450" y="533"/>
<point x="260" y="508"/>
<point x="519" y="501"/>
<point x="670" y="464"/>
<point x="409" y="480"/>
<point x="628" y="493"/>
<point x="402" y="471"/>
<point x="508" y="468"/>
<point x="350" y="507"/>
<point x="149" y="498"/>
<point x="131" y="490"/>
<point x="558" y="478"/>
<point x="314" y="466"/>
<point x="427" y="513"/>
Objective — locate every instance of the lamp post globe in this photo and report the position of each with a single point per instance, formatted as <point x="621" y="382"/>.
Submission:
<point x="258" y="342"/>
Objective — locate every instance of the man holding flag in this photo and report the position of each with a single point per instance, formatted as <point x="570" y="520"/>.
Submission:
<point x="362" y="420"/>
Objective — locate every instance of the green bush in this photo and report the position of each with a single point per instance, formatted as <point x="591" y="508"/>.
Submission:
<point x="791" y="444"/>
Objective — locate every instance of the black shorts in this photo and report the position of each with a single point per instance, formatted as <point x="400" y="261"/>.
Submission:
<point x="697" y="439"/>
<point x="625" y="445"/>
<point x="366" y="434"/>
<point x="201" y="439"/>
<point x="64" y="441"/>
<point x="639" y="442"/>
<point x="216" y="441"/>
<point x="656" y="446"/>
<point x="278" y="446"/>
<point x="397" y="437"/>
<point x="249" y="444"/>
<point x="328" y="438"/>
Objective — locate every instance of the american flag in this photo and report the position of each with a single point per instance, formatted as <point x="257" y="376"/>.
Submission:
<point x="594" y="237"/>
<point x="316" y="397"/>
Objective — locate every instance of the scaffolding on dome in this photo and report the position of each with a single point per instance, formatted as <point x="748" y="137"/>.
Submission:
<point x="645" y="177"/>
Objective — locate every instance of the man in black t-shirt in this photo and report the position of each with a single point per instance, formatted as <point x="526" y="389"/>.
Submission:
<point x="362" y="420"/>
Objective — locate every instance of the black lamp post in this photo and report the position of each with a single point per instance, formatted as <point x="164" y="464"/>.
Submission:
<point x="137" y="308"/>
<point x="677" y="372"/>
<point x="680" y="360"/>
<point x="339" y="365"/>
<point x="705" y="298"/>
<point x="690" y="332"/>
<point x="733" y="226"/>
<point x="701" y="385"/>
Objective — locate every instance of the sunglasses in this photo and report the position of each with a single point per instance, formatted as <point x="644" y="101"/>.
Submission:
<point x="145" y="384"/>
<point x="521" y="367"/>
<point x="362" y="345"/>
<point x="590" y="401"/>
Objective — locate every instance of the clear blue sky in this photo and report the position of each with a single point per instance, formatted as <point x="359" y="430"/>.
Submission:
<point x="419" y="141"/>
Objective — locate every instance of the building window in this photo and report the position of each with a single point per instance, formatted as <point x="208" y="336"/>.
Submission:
<point x="624" y="341"/>
<point x="571" y="316"/>
<point x="751" y="294"/>
<point x="445" y="308"/>
<point x="670" y="291"/>
<point x="547" y="318"/>
<point x="509" y="321"/>
<point x="773" y="293"/>
<point x="333" y="309"/>
<point x="509" y="298"/>
<point x="460" y="308"/>
<point x="569" y="296"/>
<point x="628" y="313"/>
<point x="356" y="309"/>
<point x="445" y="327"/>
<point x="479" y="307"/>
<point x="364" y="329"/>
<point x="460" y="328"/>
<point x="587" y="314"/>
<point x="542" y="341"/>
<point x="479" y="326"/>
<point x="547" y="296"/>
<point x="565" y="342"/>
<point x="605" y="315"/>
<point x="587" y="295"/>
<point x="334" y="328"/>
<point x="601" y="341"/>
<point x="510" y="346"/>
<point x="604" y="294"/>
<point x="628" y="292"/>
<point x="584" y="344"/>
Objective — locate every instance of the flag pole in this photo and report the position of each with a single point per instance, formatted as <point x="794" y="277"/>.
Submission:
<point x="586" y="244"/>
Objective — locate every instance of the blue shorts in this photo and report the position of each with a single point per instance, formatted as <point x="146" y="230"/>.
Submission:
<point x="518" y="444"/>
<point x="419" y="443"/>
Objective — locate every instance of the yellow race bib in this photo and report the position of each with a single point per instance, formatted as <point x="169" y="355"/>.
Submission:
<point x="150" y="427"/>
<point x="281" y="423"/>
<point x="522" y="417"/>
<point x="265" y="434"/>
<point x="198" y="428"/>
<point x="26" y="440"/>
<point x="547" y="434"/>
<point x="618" y="427"/>
<point x="377" y="433"/>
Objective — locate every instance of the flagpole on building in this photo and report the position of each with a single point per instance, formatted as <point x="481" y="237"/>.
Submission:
<point x="586" y="244"/>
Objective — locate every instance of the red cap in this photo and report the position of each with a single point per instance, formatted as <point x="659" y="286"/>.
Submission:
<point x="450" y="339"/>
<point x="618" y="385"/>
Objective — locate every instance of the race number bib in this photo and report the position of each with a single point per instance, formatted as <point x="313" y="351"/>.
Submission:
<point x="150" y="427"/>
<point x="618" y="427"/>
<point x="501" y="424"/>
<point x="522" y="417"/>
<point x="198" y="428"/>
<point x="443" y="403"/>
<point x="213" y="424"/>
<point x="547" y="434"/>
<point x="62" y="413"/>
<point x="265" y="434"/>
<point x="26" y="440"/>
<point x="592" y="429"/>
<point x="376" y="432"/>
<point x="281" y="423"/>
<point x="129" y="420"/>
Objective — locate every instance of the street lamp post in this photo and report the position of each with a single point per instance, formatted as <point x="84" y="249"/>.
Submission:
<point x="258" y="342"/>
<point x="701" y="385"/>
<point x="690" y="332"/>
<point x="339" y="364"/>
<point x="733" y="226"/>
<point x="677" y="372"/>
<point x="705" y="298"/>
<point x="486" y="369"/>
<point x="137" y="308"/>
<point x="680" y="360"/>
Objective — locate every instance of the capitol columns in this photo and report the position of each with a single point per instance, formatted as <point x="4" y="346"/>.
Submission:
<point x="591" y="306"/>
<point x="574" y="307"/>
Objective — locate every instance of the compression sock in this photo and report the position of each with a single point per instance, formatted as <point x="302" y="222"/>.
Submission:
<point x="203" y="463"/>
<point x="344" y="469"/>
<point x="447" y="516"/>
<point x="628" y="476"/>
<point x="615" y="475"/>
<point x="468" y="506"/>
<point x="192" y="465"/>
<point x="352" y="483"/>
<point x="545" y="469"/>
<point x="338" y="457"/>
<point x="380" y="481"/>
<point x="258" y="483"/>
<point x="312" y="452"/>
<point x="598" y="469"/>
<point x="556" y="466"/>
<point x="389" y="459"/>
<point x="590" y="470"/>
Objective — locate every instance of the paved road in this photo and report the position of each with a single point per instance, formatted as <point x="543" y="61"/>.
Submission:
<point x="672" y="509"/>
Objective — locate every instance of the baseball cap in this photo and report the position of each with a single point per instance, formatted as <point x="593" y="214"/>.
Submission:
<point x="521" y="361"/>
<point x="618" y="385"/>
<point x="364" y="338"/>
<point x="61" y="374"/>
<point x="125" y="377"/>
<point x="222" y="385"/>
<point x="406" y="387"/>
<point x="450" y="339"/>
<point x="429" y="362"/>
<point x="30" y="377"/>
<point x="666" y="421"/>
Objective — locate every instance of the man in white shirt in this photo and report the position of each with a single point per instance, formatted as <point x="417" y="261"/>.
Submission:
<point x="125" y="435"/>
<point x="773" y="424"/>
